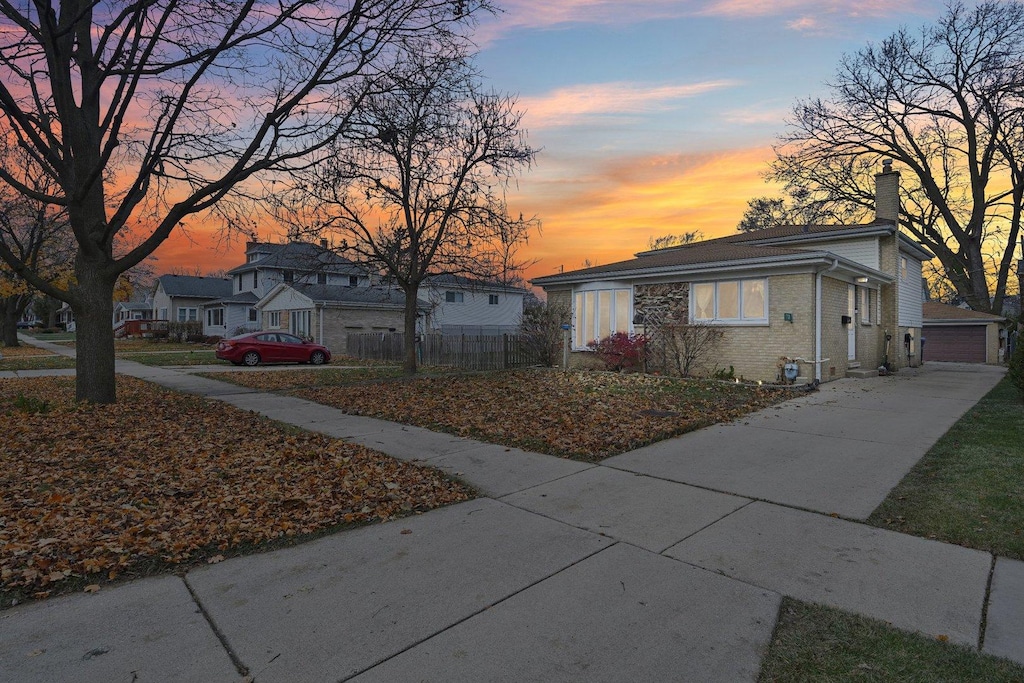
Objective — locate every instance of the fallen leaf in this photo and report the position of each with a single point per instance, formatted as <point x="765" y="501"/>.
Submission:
<point x="92" y="588"/>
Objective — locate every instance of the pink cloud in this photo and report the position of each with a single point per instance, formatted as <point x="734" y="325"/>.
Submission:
<point x="566" y="106"/>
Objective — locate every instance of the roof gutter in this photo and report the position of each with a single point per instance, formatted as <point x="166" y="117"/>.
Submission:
<point x="818" y="356"/>
<point x="694" y="269"/>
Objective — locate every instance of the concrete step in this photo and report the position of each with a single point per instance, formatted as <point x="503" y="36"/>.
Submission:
<point x="861" y="373"/>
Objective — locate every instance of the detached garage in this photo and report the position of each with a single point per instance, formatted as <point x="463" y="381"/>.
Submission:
<point x="961" y="335"/>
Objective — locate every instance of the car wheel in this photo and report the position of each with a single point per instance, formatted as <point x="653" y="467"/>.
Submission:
<point x="251" y="359"/>
<point x="318" y="358"/>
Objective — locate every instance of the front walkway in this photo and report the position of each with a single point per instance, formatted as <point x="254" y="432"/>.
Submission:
<point x="665" y="563"/>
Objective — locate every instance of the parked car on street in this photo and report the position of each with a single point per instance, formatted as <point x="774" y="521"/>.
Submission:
<point x="29" y="324"/>
<point x="271" y="347"/>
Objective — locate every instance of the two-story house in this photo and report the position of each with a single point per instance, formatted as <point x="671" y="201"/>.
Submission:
<point x="268" y="265"/>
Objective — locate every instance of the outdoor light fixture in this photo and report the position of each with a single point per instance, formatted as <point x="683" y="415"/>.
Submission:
<point x="862" y="280"/>
<point x="788" y="317"/>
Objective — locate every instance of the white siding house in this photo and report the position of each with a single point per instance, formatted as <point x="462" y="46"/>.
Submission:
<point x="461" y="305"/>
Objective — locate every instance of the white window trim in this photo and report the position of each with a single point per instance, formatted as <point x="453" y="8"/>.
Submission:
<point x="731" y="322"/>
<point x="274" y="319"/>
<point x="867" y="297"/>
<point x="304" y="328"/>
<point x="593" y="334"/>
<point x="187" y="314"/>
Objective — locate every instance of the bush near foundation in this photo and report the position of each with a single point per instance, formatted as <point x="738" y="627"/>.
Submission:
<point x="621" y="351"/>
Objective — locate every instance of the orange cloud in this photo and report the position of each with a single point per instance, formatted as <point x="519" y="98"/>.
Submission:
<point x="613" y="213"/>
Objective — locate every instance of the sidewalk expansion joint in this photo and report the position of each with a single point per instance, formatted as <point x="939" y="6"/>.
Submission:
<point x="479" y="611"/>
<point x="242" y="669"/>
<point x="986" y="603"/>
<point x="543" y="483"/>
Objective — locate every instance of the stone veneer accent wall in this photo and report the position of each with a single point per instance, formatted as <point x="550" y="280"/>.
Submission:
<point x="660" y="301"/>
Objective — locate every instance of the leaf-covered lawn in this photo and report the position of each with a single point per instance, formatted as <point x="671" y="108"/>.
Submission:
<point x="164" y="358"/>
<point x="581" y="415"/>
<point x="23" y="351"/>
<point x="92" y="493"/>
<point x="291" y="380"/>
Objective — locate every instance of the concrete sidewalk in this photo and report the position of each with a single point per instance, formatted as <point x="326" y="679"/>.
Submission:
<point x="665" y="563"/>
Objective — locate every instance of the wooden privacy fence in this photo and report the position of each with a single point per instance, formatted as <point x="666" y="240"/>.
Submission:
<point x="487" y="352"/>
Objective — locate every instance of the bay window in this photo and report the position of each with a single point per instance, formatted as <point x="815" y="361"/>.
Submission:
<point x="601" y="312"/>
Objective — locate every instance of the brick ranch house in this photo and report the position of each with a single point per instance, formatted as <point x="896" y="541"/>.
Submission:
<point x="827" y="294"/>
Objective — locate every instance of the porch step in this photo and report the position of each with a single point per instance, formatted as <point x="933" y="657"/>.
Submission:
<point x="861" y="373"/>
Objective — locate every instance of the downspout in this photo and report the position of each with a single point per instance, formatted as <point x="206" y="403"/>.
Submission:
<point x="817" y="318"/>
<point x="320" y="320"/>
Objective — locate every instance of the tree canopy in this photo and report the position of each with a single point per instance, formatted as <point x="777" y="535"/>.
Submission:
<point x="415" y="187"/>
<point x="946" y="103"/>
<point x="145" y="113"/>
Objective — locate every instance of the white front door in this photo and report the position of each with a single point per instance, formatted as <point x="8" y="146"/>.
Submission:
<point x="851" y="327"/>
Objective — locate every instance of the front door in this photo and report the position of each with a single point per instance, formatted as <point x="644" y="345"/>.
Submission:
<point x="851" y="327"/>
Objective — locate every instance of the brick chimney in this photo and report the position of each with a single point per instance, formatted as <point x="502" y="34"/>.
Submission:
<point x="887" y="193"/>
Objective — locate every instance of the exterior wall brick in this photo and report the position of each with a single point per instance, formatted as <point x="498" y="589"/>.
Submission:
<point x="341" y="322"/>
<point x="561" y="297"/>
<point x="834" y="335"/>
<point x="756" y="353"/>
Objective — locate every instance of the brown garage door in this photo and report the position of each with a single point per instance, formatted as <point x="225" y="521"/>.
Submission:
<point x="962" y="343"/>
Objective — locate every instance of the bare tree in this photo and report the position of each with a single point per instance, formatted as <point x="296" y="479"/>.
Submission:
<point x="144" y="113"/>
<point x="541" y="327"/>
<point x="677" y="345"/>
<point x="666" y="241"/>
<point x="36" y="233"/>
<point x="416" y="184"/>
<point x="945" y="102"/>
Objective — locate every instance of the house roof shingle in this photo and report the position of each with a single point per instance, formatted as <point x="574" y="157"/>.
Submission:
<point x="759" y="246"/>
<point x="195" y="287"/>
<point x="936" y="311"/>
<point x="301" y="256"/>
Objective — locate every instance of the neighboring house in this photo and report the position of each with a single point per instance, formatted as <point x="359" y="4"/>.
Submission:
<point x="826" y="294"/>
<point x="957" y="334"/>
<point x="329" y="313"/>
<point x="461" y="305"/>
<point x="66" y="317"/>
<point x="268" y="265"/>
<point x="181" y="298"/>
<point x="132" y="310"/>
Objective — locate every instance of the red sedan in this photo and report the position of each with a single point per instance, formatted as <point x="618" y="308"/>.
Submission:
<point x="271" y="347"/>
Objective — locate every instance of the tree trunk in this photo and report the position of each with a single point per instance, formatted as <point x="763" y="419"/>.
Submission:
<point x="8" y="322"/>
<point x="94" y="335"/>
<point x="409" y="364"/>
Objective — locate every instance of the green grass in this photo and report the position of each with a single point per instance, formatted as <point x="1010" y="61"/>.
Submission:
<point x="50" y="336"/>
<point x="816" y="643"/>
<point x="968" y="488"/>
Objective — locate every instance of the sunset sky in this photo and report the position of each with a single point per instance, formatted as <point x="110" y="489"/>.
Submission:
<point x="654" y="117"/>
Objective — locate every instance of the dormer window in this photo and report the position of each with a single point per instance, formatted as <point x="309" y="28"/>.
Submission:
<point x="321" y="278"/>
<point x="288" y="276"/>
<point x="353" y="280"/>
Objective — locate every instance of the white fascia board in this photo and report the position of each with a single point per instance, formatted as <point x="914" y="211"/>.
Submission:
<point x="756" y="267"/>
<point x="908" y="246"/>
